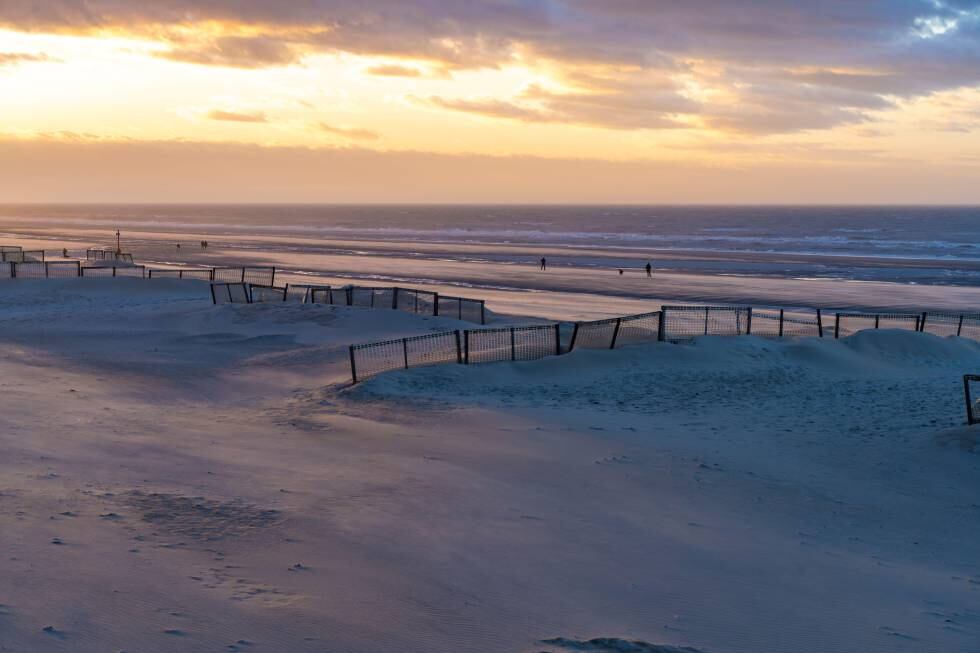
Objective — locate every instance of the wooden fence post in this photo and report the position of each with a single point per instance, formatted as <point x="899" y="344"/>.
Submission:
<point x="513" y="345"/>
<point x="557" y="339"/>
<point x="459" y="351"/>
<point x="781" y="311"/>
<point x="662" y="324"/>
<point x="615" y="336"/>
<point x="353" y="365"/>
<point x="819" y="323"/>
<point x="837" y="327"/>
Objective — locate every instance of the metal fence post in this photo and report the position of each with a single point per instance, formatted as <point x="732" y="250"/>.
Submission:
<point x="571" y="345"/>
<point x="748" y="324"/>
<point x="877" y="318"/>
<point x="353" y="365"/>
<point x="781" y="312"/>
<point x="405" y="351"/>
<point x="959" y="327"/>
<point x="113" y="270"/>
<point x="273" y="281"/>
<point x="661" y="325"/>
<point x="435" y="305"/>
<point x="513" y="345"/>
<point x="615" y="335"/>
<point x="459" y="351"/>
<point x="922" y="322"/>
<point x="819" y="323"/>
<point x="466" y="347"/>
<point x="706" y="320"/>
<point x="483" y="312"/>
<point x="557" y="339"/>
<point x="837" y="327"/>
<point x="394" y="298"/>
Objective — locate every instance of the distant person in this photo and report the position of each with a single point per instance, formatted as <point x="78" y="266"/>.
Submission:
<point x="620" y="271"/>
<point x="649" y="270"/>
<point x="178" y="246"/>
<point x="544" y="263"/>
<point x="64" y="253"/>
<point x="205" y="244"/>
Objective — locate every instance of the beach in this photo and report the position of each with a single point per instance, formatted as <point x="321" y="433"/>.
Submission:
<point x="183" y="476"/>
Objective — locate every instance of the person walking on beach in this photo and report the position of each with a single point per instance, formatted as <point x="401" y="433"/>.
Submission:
<point x="649" y="270"/>
<point x="544" y="263"/>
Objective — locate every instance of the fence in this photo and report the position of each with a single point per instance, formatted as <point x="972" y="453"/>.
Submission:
<point x="201" y="274"/>
<point x="972" y="406"/>
<point x="606" y="334"/>
<point x="263" y="294"/>
<point x="419" y="351"/>
<point x="511" y="344"/>
<point x="133" y="271"/>
<point x="682" y="323"/>
<point x="301" y="292"/>
<point x="847" y="324"/>
<point x="107" y="255"/>
<point x="466" y="347"/>
<point x="230" y="293"/>
<point x="21" y="256"/>
<point x="777" y="323"/>
<point x="262" y="276"/>
<point x="38" y="270"/>
<point x="332" y="296"/>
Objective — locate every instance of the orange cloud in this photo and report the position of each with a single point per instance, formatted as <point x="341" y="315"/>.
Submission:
<point x="350" y="132"/>
<point x="235" y="116"/>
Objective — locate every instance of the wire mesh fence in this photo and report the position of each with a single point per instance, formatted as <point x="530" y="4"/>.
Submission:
<point x="230" y="293"/>
<point x="513" y="344"/>
<point x="778" y="323"/>
<point x="420" y="302"/>
<point x="259" y="294"/>
<point x="431" y="349"/>
<point x="461" y="308"/>
<point x="200" y="274"/>
<point x="302" y="293"/>
<point x="108" y="271"/>
<point x="846" y="324"/>
<point x="22" y="256"/>
<point x="682" y="323"/>
<point x="617" y="331"/>
<point x="970" y="382"/>
<point x="332" y="296"/>
<point x="63" y="269"/>
<point x="966" y="325"/>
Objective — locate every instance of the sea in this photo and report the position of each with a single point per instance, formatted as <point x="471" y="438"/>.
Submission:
<point x="918" y="244"/>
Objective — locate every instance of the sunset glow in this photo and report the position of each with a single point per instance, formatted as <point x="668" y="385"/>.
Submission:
<point x="894" y="90"/>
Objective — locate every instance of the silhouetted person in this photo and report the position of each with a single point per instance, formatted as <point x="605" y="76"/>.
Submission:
<point x="649" y="270"/>
<point x="178" y="245"/>
<point x="544" y="263"/>
<point x="64" y="253"/>
<point x="620" y="271"/>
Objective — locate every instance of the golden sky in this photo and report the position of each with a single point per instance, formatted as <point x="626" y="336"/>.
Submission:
<point x="500" y="100"/>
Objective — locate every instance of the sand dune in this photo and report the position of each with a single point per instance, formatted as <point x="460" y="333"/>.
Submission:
<point x="183" y="477"/>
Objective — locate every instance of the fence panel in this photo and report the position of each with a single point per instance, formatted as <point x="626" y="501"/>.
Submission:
<point x="777" y="323"/>
<point x="163" y="274"/>
<point x="228" y="275"/>
<point x="514" y="344"/>
<point x="137" y="271"/>
<point x="383" y="298"/>
<point x="265" y="294"/>
<point x="847" y="324"/>
<point x="260" y="275"/>
<point x="970" y="383"/>
<point x="302" y="293"/>
<point x="64" y="269"/>
<point x="966" y="325"/>
<point x="361" y="296"/>
<point x="34" y="256"/>
<point x="686" y="322"/>
<point x="410" y="300"/>
<point x="10" y="248"/>
<point x="12" y="256"/>
<point x="30" y="270"/>
<point x="6" y="270"/>
<point x="635" y="329"/>
<point x="431" y="349"/>
<point x="97" y="272"/>
<point x="598" y="334"/>
<point x="230" y="293"/>
<point x="332" y="296"/>
<point x="461" y="308"/>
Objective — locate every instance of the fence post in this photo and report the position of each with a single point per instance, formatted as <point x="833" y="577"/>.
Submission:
<point x="837" y="327"/>
<point x="47" y="271"/>
<point x="405" y="351"/>
<point x="353" y="365"/>
<point x="819" y="323"/>
<point x="435" y="305"/>
<point x="557" y="339"/>
<point x="619" y="321"/>
<point x="748" y="325"/>
<point x="969" y="402"/>
<point x="349" y="292"/>
<point x="113" y="270"/>
<point x="781" y="311"/>
<point x="483" y="312"/>
<point x="273" y="281"/>
<point x="214" y="300"/>
<point x="459" y="351"/>
<point x="571" y="345"/>
<point x="706" y="320"/>
<point x="959" y="328"/>
<point x="661" y="323"/>
<point x="877" y="318"/>
<point x="513" y="345"/>
<point x="459" y="309"/>
<point x="394" y="298"/>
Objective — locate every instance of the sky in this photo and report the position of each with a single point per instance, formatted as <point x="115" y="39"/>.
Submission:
<point x="599" y="101"/>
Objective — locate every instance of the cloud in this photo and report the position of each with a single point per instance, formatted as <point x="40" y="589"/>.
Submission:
<point x="393" y="70"/>
<point x="236" y="116"/>
<point x="17" y="58"/>
<point x="112" y="171"/>
<point x="772" y="65"/>
<point x="349" y="132"/>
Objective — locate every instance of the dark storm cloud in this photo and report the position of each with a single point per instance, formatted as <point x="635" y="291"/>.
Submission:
<point x="791" y="65"/>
